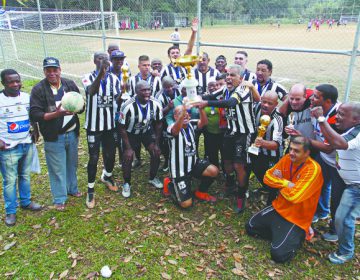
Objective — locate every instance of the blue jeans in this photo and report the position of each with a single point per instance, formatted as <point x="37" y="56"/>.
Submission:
<point x="323" y="208"/>
<point x="15" y="166"/>
<point x="345" y="217"/>
<point x="62" y="160"/>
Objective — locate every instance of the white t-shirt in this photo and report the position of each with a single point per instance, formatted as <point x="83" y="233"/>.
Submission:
<point x="175" y="36"/>
<point x="14" y="119"/>
<point x="348" y="161"/>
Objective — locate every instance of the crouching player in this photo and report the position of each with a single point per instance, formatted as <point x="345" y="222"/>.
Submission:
<point x="184" y="163"/>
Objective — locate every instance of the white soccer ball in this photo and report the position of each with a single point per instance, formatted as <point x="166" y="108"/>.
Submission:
<point x="72" y="101"/>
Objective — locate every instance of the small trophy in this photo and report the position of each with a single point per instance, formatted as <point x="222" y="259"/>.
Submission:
<point x="125" y="77"/>
<point x="291" y="125"/>
<point x="264" y="122"/>
<point x="190" y="83"/>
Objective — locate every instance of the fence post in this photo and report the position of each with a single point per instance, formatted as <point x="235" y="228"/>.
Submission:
<point x="352" y="61"/>
<point x="102" y="24"/>
<point x="198" y="38"/>
<point x="41" y="28"/>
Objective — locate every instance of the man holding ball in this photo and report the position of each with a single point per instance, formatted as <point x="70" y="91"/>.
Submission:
<point x="60" y="129"/>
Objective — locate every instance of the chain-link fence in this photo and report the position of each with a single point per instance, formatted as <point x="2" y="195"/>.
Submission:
<point x="308" y="41"/>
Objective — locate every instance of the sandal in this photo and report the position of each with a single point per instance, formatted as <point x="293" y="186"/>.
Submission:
<point x="59" y="207"/>
<point x="77" y="194"/>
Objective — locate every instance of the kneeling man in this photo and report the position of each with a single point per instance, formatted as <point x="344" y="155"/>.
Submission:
<point x="184" y="163"/>
<point x="299" y="180"/>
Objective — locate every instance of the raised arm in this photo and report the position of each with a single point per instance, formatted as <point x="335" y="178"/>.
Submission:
<point x="94" y="87"/>
<point x="194" y="29"/>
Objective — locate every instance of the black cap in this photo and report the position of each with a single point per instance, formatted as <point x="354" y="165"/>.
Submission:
<point x="51" y="62"/>
<point x="221" y="57"/>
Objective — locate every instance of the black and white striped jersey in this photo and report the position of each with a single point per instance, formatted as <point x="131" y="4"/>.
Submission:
<point x="177" y="73"/>
<point x="241" y="118"/>
<point x="274" y="86"/>
<point x="203" y="78"/>
<point x="101" y="107"/>
<point x="274" y="131"/>
<point x="164" y="99"/>
<point x="249" y="76"/>
<point x="182" y="151"/>
<point x="153" y="81"/>
<point x="138" y="118"/>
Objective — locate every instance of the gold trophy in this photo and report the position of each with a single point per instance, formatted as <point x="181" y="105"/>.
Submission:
<point x="125" y="78"/>
<point x="264" y="122"/>
<point x="190" y="83"/>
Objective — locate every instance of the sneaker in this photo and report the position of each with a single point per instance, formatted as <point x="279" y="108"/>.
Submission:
<point x="156" y="183"/>
<point x="126" y="190"/>
<point x="109" y="183"/>
<point x="90" y="200"/>
<point x="136" y="163"/>
<point x="205" y="196"/>
<point x="318" y="217"/>
<point x="166" y="191"/>
<point x="337" y="258"/>
<point x="240" y="203"/>
<point x="33" y="206"/>
<point x="10" y="220"/>
<point x="330" y="236"/>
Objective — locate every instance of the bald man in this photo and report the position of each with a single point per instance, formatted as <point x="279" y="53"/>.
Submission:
<point x="297" y="112"/>
<point x="270" y="147"/>
<point x="347" y="145"/>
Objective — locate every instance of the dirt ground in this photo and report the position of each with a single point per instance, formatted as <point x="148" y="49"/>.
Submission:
<point x="288" y="67"/>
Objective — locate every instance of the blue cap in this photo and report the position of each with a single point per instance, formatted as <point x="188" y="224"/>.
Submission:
<point x="51" y="62"/>
<point x="117" y="54"/>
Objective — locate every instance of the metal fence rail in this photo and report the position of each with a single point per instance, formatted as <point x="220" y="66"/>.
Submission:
<point x="325" y="56"/>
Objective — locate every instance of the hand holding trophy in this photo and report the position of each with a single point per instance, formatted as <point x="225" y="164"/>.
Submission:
<point x="264" y="122"/>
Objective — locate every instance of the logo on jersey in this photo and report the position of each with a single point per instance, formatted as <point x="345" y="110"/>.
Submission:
<point x="18" y="127"/>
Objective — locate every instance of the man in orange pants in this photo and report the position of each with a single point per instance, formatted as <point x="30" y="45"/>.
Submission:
<point x="299" y="180"/>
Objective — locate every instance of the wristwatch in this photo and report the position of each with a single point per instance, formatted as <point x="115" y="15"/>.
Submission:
<point x="321" y="119"/>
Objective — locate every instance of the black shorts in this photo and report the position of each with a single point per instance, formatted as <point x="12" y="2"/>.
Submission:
<point x="182" y="185"/>
<point x="136" y="140"/>
<point x="235" y="147"/>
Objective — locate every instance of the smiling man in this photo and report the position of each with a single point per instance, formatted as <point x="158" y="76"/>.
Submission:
<point x="15" y="146"/>
<point x="265" y="82"/>
<point x="60" y="130"/>
<point x="271" y="144"/>
<point x="347" y="145"/>
<point x="298" y="179"/>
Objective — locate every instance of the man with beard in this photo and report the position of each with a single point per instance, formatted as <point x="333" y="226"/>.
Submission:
<point x="156" y="66"/>
<point x="264" y="82"/>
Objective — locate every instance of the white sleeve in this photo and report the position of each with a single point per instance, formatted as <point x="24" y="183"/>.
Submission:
<point x="354" y="144"/>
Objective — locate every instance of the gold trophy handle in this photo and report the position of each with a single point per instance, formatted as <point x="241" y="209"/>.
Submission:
<point x="264" y="123"/>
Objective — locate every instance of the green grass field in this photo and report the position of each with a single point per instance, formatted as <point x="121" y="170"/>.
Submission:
<point x="147" y="237"/>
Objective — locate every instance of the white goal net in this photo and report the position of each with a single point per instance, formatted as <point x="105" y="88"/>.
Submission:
<point x="57" y="21"/>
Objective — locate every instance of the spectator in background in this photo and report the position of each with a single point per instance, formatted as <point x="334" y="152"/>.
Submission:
<point x="175" y="37"/>
<point x="15" y="146"/>
<point x="60" y="130"/>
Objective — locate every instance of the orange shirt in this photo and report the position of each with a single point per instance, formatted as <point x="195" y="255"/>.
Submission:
<point x="298" y="203"/>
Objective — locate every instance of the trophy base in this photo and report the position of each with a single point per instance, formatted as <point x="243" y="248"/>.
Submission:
<point x="253" y="150"/>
